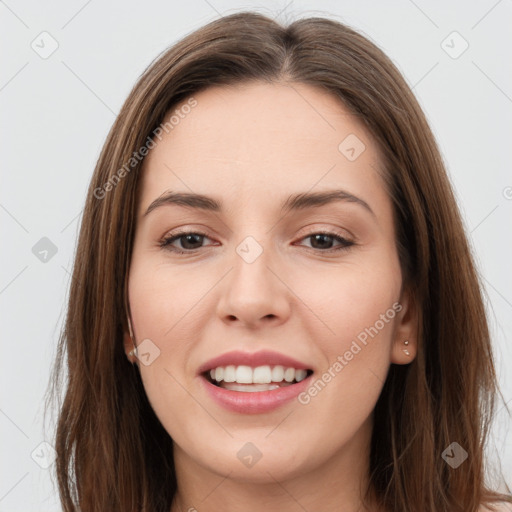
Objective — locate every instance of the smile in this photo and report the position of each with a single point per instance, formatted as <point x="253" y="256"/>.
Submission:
<point x="253" y="383"/>
<point x="244" y="378"/>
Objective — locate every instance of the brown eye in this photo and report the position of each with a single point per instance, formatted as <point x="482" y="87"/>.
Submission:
<point x="188" y="240"/>
<point x="324" y="241"/>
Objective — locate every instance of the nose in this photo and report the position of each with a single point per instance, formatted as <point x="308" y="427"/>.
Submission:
<point x="254" y="294"/>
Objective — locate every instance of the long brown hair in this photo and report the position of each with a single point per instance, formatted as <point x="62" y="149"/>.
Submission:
<point x="113" y="453"/>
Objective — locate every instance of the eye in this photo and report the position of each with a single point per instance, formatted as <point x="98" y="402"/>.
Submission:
<point x="190" y="241"/>
<point x="323" y="241"/>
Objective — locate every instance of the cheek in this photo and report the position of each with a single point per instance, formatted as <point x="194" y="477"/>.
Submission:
<point x="160" y="304"/>
<point x="164" y="301"/>
<point x="356" y="361"/>
<point x="349" y="299"/>
<point x="356" y="311"/>
<point x="161" y="310"/>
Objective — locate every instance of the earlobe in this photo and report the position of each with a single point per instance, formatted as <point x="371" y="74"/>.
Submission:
<point x="405" y="342"/>
<point x="403" y="352"/>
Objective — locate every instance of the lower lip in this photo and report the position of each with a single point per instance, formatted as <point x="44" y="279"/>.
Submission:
<point x="246" y="402"/>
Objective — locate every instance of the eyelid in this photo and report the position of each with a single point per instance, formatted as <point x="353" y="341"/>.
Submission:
<point x="318" y="227"/>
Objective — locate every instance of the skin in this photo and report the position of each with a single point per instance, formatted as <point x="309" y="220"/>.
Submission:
<point x="251" y="146"/>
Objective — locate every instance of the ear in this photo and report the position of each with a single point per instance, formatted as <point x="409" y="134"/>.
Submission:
<point x="129" y="342"/>
<point x="406" y="329"/>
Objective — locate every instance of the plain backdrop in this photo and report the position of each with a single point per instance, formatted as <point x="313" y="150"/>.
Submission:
<point x="57" y="109"/>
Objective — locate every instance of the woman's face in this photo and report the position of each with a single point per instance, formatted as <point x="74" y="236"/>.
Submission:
<point x="263" y="288"/>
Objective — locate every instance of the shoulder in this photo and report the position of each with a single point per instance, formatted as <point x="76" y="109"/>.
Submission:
<point x="500" y="506"/>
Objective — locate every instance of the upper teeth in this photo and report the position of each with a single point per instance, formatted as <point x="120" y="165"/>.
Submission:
<point x="258" y="375"/>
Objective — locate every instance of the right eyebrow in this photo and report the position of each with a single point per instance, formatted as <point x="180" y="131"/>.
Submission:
<point x="185" y="199"/>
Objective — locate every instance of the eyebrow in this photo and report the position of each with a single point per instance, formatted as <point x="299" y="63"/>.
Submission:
<point x="300" y="201"/>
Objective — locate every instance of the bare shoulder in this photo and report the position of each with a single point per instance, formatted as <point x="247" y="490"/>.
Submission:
<point x="496" y="507"/>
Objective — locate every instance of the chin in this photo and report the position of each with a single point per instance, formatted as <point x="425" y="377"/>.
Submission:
<point x="258" y="461"/>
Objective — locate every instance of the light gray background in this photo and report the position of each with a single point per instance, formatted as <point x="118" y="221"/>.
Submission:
<point x="56" y="113"/>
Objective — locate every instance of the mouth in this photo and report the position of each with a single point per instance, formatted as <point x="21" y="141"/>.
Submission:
<point x="247" y="379"/>
<point x="254" y="382"/>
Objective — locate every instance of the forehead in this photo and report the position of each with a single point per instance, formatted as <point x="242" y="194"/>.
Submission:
<point x="257" y="139"/>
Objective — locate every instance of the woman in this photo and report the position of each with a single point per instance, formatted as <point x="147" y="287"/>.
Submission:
<point x="273" y="303"/>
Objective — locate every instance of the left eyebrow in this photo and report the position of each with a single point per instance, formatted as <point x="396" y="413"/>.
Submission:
<point x="300" y="201"/>
<point x="316" y="199"/>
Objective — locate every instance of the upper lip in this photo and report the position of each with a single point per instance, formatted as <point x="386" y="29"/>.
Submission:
<point x="253" y="359"/>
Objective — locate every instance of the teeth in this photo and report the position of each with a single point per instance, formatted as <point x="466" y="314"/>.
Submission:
<point x="277" y="374"/>
<point x="262" y="375"/>
<point x="259" y="375"/>
<point x="243" y="375"/>
<point x="289" y="374"/>
<point x="230" y="373"/>
<point x="300" y="375"/>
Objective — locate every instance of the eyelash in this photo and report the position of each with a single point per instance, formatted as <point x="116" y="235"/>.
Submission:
<point x="167" y="241"/>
